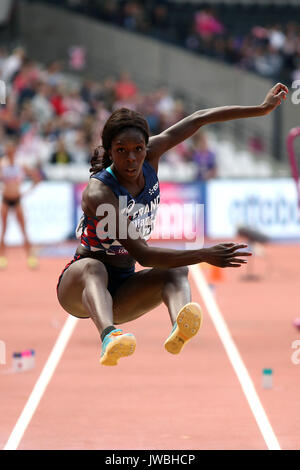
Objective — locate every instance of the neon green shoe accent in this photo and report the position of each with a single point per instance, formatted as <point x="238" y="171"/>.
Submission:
<point x="116" y="345"/>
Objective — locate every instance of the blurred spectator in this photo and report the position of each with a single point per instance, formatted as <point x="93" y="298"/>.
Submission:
<point x="109" y="91"/>
<point x="125" y="88"/>
<point x="133" y="16"/>
<point x="159" y="21"/>
<point x="165" y="102"/>
<point x="205" y="158"/>
<point x="277" y="38"/>
<point x="178" y="155"/>
<point x="26" y="76"/>
<point x="148" y="107"/>
<point x="267" y="61"/>
<point x="8" y="117"/>
<point x="57" y="100"/>
<point x="110" y="11"/>
<point x="53" y="75"/>
<point x="256" y="145"/>
<point x="75" y="108"/>
<point x="60" y="156"/>
<point x="33" y="150"/>
<point x="3" y="57"/>
<point x="41" y="105"/>
<point x="78" y="149"/>
<point x="12" y="64"/>
<point x="207" y="25"/>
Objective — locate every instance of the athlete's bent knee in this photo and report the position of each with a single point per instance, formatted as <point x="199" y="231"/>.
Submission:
<point x="177" y="274"/>
<point x="94" y="267"/>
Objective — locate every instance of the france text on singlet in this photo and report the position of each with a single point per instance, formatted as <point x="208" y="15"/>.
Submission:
<point x="141" y="210"/>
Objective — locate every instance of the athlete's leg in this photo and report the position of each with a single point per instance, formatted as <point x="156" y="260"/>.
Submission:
<point x="4" y="214"/>
<point x="148" y="288"/>
<point x="83" y="292"/>
<point x="20" y="218"/>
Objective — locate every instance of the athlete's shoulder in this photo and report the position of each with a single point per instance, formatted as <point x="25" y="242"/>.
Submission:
<point x="95" y="193"/>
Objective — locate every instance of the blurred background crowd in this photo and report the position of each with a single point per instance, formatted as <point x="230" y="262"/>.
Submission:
<point x="262" y="38"/>
<point x="57" y="119"/>
<point x="56" y="115"/>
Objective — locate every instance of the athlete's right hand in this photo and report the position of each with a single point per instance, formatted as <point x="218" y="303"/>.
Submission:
<point x="225" y="255"/>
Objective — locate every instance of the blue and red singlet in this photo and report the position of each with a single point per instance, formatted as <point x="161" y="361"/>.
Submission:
<point x="141" y="210"/>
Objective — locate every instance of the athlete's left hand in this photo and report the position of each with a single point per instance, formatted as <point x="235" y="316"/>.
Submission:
<point x="225" y="255"/>
<point x="274" y="97"/>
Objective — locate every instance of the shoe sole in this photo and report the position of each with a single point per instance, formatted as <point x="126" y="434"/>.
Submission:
<point x="189" y="321"/>
<point x="119" y="347"/>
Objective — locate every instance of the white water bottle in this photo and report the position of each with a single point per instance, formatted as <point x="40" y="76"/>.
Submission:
<point x="267" y="378"/>
<point x="17" y="362"/>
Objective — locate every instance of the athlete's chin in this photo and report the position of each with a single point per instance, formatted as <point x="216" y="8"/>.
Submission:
<point x="131" y="174"/>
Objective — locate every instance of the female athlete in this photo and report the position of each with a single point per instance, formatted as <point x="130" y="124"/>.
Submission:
<point x="12" y="175"/>
<point x="119" y="205"/>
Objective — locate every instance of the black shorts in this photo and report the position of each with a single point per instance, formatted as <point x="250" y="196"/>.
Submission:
<point x="11" y="202"/>
<point x="116" y="275"/>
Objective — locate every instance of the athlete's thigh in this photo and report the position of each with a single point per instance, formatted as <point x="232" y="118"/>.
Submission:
<point x="139" y="294"/>
<point x="71" y="286"/>
<point x="4" y="213"/>
<point x="19" y="213"/>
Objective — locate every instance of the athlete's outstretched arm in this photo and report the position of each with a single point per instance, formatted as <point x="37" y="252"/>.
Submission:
<point x="185" y="128"/>
<point x="98" y="199"/>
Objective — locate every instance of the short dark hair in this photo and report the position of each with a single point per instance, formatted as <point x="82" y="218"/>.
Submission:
<point x="118" y="121"/>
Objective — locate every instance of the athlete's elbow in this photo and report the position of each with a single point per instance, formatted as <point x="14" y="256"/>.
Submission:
<point x="144" y="260"/>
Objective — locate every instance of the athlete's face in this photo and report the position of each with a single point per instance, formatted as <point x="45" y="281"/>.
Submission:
<point x="128" y="152"/>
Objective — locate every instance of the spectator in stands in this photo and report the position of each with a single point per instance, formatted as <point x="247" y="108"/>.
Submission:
<point x="53" y="75"/>
<point x="57" y="100"/>
<point x="41" y="105"/>
<point x="207" y="25"/>
<point x="27" y="118"/>
<point x="160" y="26"/>
<point x="277" y="37"/>
<point x="9" y="118"/>
<point x="12" y="64"/>
<point x="267" y="61"/>
<point x="27" y="75"/>
<point x="75" y="108"/>
<point x="237" y="40"/>
<point x="78" y="149"/>
<point x="109" y="92"/>
<point x="148" y="107"/>
<point x="133" y="16"/>
<point x="203" y="156"/>
<point x="3" y="57"/>
<point x="110" y="11"/>
<point x="60" y="156"/>
<point x="125" y="88"/>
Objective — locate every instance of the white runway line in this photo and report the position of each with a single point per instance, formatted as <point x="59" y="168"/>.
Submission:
<point x="235" y="359"/>
<point x="41" y="384"/>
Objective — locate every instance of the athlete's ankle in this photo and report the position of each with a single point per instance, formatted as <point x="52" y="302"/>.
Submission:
<point x="106" y="331"/>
